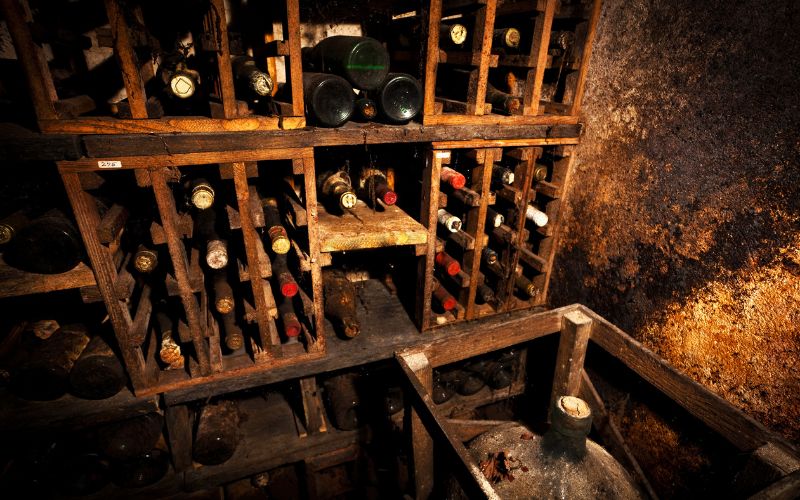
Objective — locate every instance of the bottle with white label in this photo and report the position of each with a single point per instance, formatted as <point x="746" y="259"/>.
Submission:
<point x="449" y="221"/>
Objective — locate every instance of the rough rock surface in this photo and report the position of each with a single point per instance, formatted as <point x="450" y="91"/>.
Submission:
<point x="683" y="221"/>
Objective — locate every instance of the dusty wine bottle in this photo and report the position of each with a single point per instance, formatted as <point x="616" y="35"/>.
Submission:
<point x="256" y="82"/>
<point x="442" y="391"/>
<point x="130" y="438"/>
<point x="488" y="255"/>
<point x="344" y="401"/>
<point x="454" y="179"/>
<point x="144" y="470"/>
<point x="372" y="185"/>
<point x="283" y="277"/>
<point x="145" y="260"/>
<point x="539" y="172"/>
<point x="223" y="293"/>
<point x="452" y="35"/>
<point x="49" y="244"/>
<point x="9" y="226"/>
<point x="399" y="98"/>
<point x="449" y="221"/>
<point x="97" y="373"/>
<point x="291" y="324"/>
<point x="493" y="218"/>
<point x="486" y="294"/>
<point x="561" y="42"/>
<point x="442" y="297"/>
<point x="169" y="350"/>
<point x="234" y="340"/>
<point x="525" y="286"/>
<point x="216" y="246"/>
<point x="328" y="98"/>
<point x="216" y="438"/>
<point x="536" y="216"/>
<point x="201" y="193"/>
<point x="362" y="61"/>
<point x="335" y="188"/>
<point x="44" y="375"/>
<point x="393" y="400"/>
<point x="506" y="38"/>
<point x="279" y="239"/>
<point x="340" y="303"/>
<point x="502" y="102"/>
<point x="365" y="109"/>
<point x="502" y="175"/>
<point x="447" y="264"/>
<point x="81" y="473"/>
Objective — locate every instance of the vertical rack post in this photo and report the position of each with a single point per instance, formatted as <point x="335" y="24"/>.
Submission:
<point x="312" y="225"/>
<point x="587" y="53"/>
<point x="428" y="217"/>
<point x="539" y="49"/>
<point x="216" y="24"/>
<point x="524" y="186"/>
<point x="481" y="44"/>
<point x="291" y="34"/>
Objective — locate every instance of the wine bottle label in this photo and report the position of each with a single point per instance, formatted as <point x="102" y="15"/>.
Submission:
<point x="536" y="216"/>
<point x="456" y="33"/>
<point x="145" y="260"/>
<point x="448" y="220"/>
<point x="452" y="177"/>
<point x="182" y="84"/>
<point x="279" y="240"/>
<point x="348" y="200"/>
<point x="202" y="196"/>
<point x="6" y="233"/>
<point x="217" y="254"/>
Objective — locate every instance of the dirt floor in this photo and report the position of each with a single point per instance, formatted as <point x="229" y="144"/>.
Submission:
<point x="683" y="221"/>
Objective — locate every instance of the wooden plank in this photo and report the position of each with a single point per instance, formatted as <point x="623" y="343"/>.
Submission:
<point x="30" y="57"/>
<point x="421" y="442"/>
<point x="612" y="437"/>
<point x="587" y="54"/>
<point x="732" y="424"/>
<point x="467" y="430"/>
<point x="18" y="144"/>
<point x="168" y="215"/>
<point x="539" y="50"/>
<point x="351" y="133"/>
<point x="313" y="410"/>
<point x="497" y="119"/>
<point x="126" y="57"/>
<point x="293" y="37"/>
<point x="431" y="58"/>
<point x="112" y="224"/>
<point x="786" y="488"/>
<point x="363" y="227"/>
<point x="312" y="220"/>
<point x="503" y="143"/>
<point x="172" y="124"/>
<point x="17" y="282"/>
<point x="470" y="477"/>
<point x="179" y="433"/>
<point x="476" y="225"/>
<point x="217" y="27"/>
<point x="574" y="339"/>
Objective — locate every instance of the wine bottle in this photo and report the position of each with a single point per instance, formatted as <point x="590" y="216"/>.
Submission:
<point x="286" y="283"/>
<point x="279" y="239"/>
<point x="502" y="175"/>
<point x="81" y="473"/>
<point x="340" y="303"/>
<point x="539" y="172"/>
<point x="97" y="373"/>
<point x="366" y="109"/>
<point x="502" y="102"/>
<point x="130" y="438"/>
<point x="449" y="221"/>
<point x="216" y="247"/>
<point x="561" y="42"/>
<point x="201" y="193"/>
<point x="257" y="83"/>
<point x="169" y="351"/>
<point x="443" y="297"/>
<point x="441" y="391"/>
<point x="44" y="376"/>
<point x="465" y="382"/>
<point x="494" y="218"/>
<point x="182" y="82"/>
<point x="223" y="293"/>
<point x="144" y="470"/>
<point x="536" y="216"/>
<point x="217" y="436"/>
<point x="291" y="324"/>
<point x="525" y="286"/>
<point x="234" y="340"/>
<point x="344" y="401"/>
<point x="399" y="98"/>
<point x="488" y="255"/>
<point x="49" y="244"/>
<point x="329" y="99"/>
<point x="486" y="294"/>
<point x="452" y="35"/>
<point x="447" y="264"/>
<point x="372" y="184"/>
<point x="335" y="188"/>
<point x="451" y="177"/>
<point x="145" y="259"/>
<point x="362" y="61"/>
<point x="393" y="400"/>
<point x="506" y="38"/>
<point x="9" y="226"/>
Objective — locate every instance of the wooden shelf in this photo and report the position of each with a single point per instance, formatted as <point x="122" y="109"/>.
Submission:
<point x="269" y="439"/>
<point x="16" y="282"/>
<point x="364" y="228"/>
<point x="70" y="412"/>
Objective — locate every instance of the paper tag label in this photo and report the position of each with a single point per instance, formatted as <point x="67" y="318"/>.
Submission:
<point x="109" y="164"/>
<point x="443" y="154"/>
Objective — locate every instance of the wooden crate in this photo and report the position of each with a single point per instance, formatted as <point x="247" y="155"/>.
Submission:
<point x="135" y="329"/>
<point x="531" y="66"/>
<point x="57" y="116"/>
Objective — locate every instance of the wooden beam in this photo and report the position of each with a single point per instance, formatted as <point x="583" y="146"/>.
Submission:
<point x="179" y="434"/>
<point x="787" y="488"/>
<point x="313" y="410"/>
<point x="177" y="160"/>
<point x="575" y="330"/>
<point x="467" y="430"/>
<point x="429" y="205"/>
<point x="421" y="442"/>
